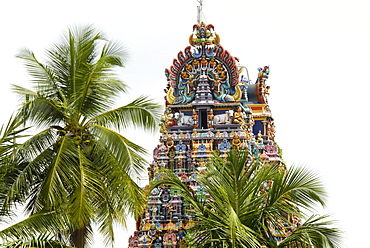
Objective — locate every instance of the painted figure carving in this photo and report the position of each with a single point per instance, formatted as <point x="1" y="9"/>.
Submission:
<point x="263" y="73"/>
<point x="236" y="142"/>
<point x="169" y="239"/>
<point x="211" y="118"/>
<point x="145" y="241"/>
<point x="224" y="118"/>
<point x="195" y="119"/>
<point x="239" y="116"/>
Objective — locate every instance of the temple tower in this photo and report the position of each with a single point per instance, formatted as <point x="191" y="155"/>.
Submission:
<point x="211" y="105"/>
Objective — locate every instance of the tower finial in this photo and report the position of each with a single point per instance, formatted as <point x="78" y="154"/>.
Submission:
<point x="200" y="7"/>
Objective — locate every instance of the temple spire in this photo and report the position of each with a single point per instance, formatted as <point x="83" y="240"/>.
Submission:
<point x="200" y="7"/>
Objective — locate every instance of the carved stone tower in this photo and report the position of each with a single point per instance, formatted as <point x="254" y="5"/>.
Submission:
<point x="211" y="105"/>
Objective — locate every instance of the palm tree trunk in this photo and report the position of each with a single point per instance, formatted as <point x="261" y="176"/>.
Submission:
<point x="78" y="237"/>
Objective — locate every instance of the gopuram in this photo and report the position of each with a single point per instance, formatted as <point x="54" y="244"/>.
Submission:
<point x="211" y="105"/>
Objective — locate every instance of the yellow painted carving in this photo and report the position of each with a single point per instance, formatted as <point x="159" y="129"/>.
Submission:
<point x="238" y="93"/>
<point x="170" y="96"/>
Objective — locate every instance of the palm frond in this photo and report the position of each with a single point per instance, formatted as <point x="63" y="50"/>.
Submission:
<point x="141" y="113"/>
<point x="115" y="53"/>
<point x="98" y="87"/>
<point x="298" y="187"/>
<point x="50" y="222"/>
<point x="85" y="182"/>
<point x="62" y="174"/>
<point x="24" y="94"/>
<point x="36" y="144"/>
<point x="44" y="240"/>
<point x="42" y="112"/>
<point x="117" y="173"/>
<point x="86" y="77"/>
<point x="118" y="194"/>
<point x="46" y="179"/>
<point x="29" y="160"/>
<point x="44" y="77"/>
<point x="8" y="136"/>
<point x="128" y="154"/>
<point x="316" y="231"/>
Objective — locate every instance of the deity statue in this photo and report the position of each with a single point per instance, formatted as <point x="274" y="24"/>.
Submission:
<point x="181" y="135"/>
<point x="195" y="133"/>
<point x="170" y="143"/>
<point x="259" y="138"/>
<point x="239" y="116"/>
<point x="236" y="142"/>
<point x="211" y="118"/>
<point x="189" y="83"/>
<point x="218" y="134"/>
<point x="271" y="131"/>
<point x="217" y="84"/>
<point x="146" y="226"/>
<point x="168" y="118"/>
<point x="145" y="241"/>
<point x="221" y="72"/>
<point x="195" y="119"/>
<point x="264" y="73"/>
<point x="212" y="63"/>
<point x="169" y="239"/>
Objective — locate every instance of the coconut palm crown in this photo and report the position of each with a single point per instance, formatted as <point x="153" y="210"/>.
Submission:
<point x="253" y="204"/>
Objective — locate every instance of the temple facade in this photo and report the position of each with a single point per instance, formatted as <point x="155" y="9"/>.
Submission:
<point x="211" y="105"/>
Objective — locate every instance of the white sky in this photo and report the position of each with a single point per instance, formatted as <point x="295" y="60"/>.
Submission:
<point x="319" y="57"/>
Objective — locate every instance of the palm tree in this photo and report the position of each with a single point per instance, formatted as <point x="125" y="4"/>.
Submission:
<point x="79" y="168"/>
<point x="252" y="204"/>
